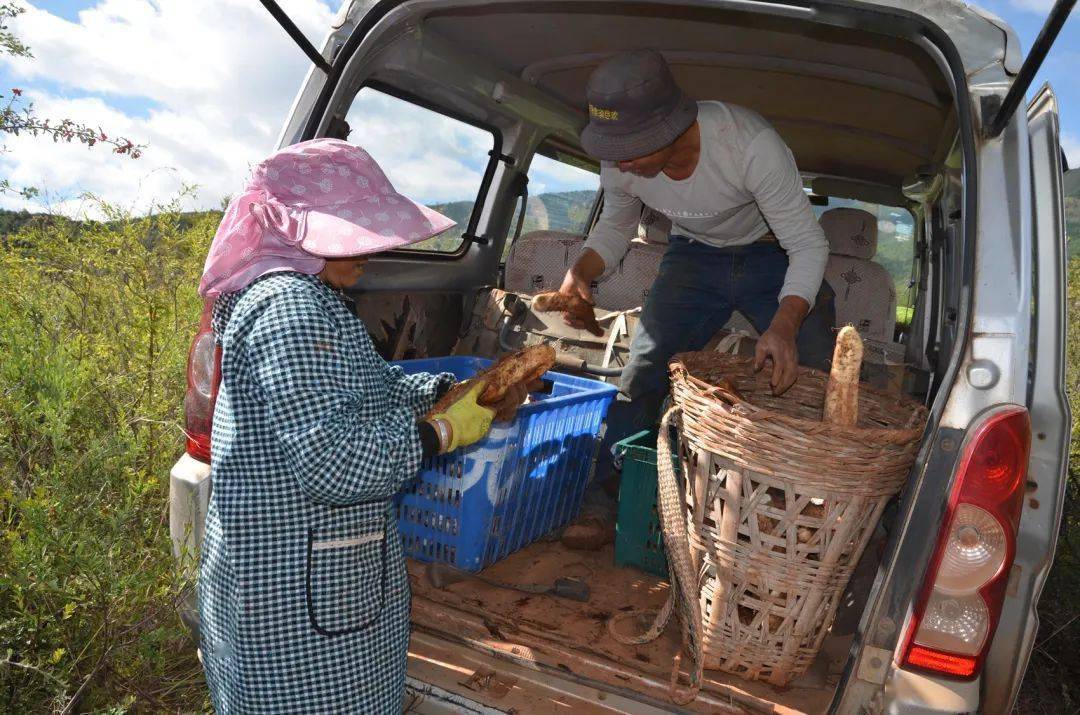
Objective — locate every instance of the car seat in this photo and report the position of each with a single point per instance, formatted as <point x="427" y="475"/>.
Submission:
<point x="865" y="293"/>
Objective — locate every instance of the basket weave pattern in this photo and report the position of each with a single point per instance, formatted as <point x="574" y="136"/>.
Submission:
<point x="779" y="505"/>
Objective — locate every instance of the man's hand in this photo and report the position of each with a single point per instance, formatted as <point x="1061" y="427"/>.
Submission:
<point x="578" y="281"/>
<point x="778" y="344"/>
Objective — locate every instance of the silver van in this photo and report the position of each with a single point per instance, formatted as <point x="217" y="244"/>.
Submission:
<point x="905" y="111"/>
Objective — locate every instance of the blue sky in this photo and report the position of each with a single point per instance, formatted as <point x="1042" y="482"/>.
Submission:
<point x="207" y="83"/>
<point x="1062" y="66"/>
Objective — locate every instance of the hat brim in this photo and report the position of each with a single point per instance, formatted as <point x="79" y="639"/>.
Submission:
<point x="601" y="143"/>
<point x="372" y="225"/>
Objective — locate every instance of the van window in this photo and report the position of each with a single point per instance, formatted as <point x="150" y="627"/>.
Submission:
<point x="896" y="247"/>
<point x="434" y="159"/>
<point x="562" y="193"/>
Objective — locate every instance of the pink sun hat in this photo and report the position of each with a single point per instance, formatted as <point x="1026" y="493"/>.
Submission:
<point x="319" y="199"/>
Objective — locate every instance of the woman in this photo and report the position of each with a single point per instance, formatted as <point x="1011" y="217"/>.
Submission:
<point x="303" y="591"/>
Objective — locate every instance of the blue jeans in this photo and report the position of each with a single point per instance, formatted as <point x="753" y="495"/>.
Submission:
<point x="696" y="290"/>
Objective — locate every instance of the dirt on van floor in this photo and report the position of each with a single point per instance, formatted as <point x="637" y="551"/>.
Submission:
<point x="573" y="636"/>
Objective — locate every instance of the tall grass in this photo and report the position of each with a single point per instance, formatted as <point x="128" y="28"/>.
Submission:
<point x="95" y="320"/>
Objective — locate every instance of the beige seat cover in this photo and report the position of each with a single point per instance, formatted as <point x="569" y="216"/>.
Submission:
<point x="865" y="294"/>
<point x="538" y="262"/>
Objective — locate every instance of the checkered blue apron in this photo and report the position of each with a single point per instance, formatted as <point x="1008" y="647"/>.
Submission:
<point x="303" y="591"/>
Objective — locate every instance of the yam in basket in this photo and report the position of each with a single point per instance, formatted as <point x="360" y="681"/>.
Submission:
<point x="778" y="498"/>
<point x="782" y="494"/>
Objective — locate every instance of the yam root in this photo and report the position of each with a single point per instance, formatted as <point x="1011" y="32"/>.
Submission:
<point x="747" y="616"/>
<point x="574" y="305"/>
<point x="523" y="367"/>
<point x="776" y="501"/>
<point x="842" y="390"/>
<point x="768" y="525"/>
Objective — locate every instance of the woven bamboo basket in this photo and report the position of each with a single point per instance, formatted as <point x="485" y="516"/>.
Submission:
<point x="778" y="507"/>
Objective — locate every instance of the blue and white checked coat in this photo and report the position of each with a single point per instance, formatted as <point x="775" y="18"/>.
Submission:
<point x="303" y="591"/>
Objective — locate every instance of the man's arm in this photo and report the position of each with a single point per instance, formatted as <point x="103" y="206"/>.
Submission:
<point x="773" y="179"/>
<point x="610" y="237"/>
<point x="608" y="242"/>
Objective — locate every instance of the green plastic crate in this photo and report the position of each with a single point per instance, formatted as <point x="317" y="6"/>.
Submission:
<point x="638" y="539"/>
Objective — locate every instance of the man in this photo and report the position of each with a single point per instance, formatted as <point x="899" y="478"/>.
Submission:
<point x="743" y="234"/>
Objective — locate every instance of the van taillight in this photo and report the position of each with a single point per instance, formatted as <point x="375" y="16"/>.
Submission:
<point x="203" y="378"/>
<point x="958" y="609"/>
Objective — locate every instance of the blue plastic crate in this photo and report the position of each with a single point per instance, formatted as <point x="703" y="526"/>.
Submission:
<point x="477" y="505"/>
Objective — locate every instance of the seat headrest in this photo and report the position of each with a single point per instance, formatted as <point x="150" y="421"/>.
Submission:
<point x="850" y="232"/>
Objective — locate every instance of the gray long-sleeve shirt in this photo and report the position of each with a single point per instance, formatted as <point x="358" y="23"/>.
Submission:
<point x="745" y="184"/>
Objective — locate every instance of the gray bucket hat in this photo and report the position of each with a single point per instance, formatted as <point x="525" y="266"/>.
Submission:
<point x="635" y="107"/>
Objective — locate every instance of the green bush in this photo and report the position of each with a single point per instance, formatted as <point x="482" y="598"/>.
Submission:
<point x="1050" y="684"/>
<point x="95" y="322"/>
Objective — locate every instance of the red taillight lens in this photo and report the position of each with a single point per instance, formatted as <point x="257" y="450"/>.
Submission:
<point x="958" y="609"/>
<point x="203" y="377"/>
<point x="941" y="662"/>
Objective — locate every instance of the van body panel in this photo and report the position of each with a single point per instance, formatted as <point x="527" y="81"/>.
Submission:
<point x="1048" y="407"/>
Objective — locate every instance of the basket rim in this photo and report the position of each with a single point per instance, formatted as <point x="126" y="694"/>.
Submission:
<point x="726" y="394"/>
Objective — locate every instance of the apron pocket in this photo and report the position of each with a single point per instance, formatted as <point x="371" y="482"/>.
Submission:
<point x="346" y="578"/>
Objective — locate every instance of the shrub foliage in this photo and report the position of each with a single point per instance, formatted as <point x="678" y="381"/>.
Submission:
<point x="95" y="321"/>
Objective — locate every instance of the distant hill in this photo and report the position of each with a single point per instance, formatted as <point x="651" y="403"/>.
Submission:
<point x="12" y="222"/>
<point x="569" y="210"/>
<point x="558" y="211"/>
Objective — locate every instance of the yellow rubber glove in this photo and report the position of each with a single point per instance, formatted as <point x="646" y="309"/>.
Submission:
<point x="468" y="421"/>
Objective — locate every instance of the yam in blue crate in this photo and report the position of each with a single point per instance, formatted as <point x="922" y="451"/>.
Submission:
<point x="527" y="478"/>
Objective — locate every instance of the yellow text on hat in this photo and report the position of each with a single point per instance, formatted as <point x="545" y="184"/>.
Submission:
<point x="608" y="114"/>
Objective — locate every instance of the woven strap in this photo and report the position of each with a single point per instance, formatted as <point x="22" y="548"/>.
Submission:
<point x="681" y="571"/>
<point x="730" y="342"/>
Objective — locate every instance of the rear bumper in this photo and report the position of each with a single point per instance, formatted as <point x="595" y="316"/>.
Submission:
<point x="189" y="499"/>
<point x="909" y="693"/>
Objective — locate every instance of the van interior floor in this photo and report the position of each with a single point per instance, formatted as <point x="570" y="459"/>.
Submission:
<point x="558" y="635"/>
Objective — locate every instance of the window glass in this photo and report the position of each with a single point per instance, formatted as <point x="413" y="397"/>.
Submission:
<point x="896" y="246"/>
<point x="562" y="191"/>
<point x="429" y="157"/>
<point x="561" y="196"/>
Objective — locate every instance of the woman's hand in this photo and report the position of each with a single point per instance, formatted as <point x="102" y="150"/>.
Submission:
<point x="468" y="421"/>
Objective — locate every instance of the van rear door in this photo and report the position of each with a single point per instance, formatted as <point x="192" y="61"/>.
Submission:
<point x="1048" y="407"/>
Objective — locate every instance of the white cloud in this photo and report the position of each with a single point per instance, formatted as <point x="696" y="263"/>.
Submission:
<point x="549" y="175"/>
<point x="427" y="156"/>
<point x="220" y="73"/>
<point x="1070" y="144"/>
